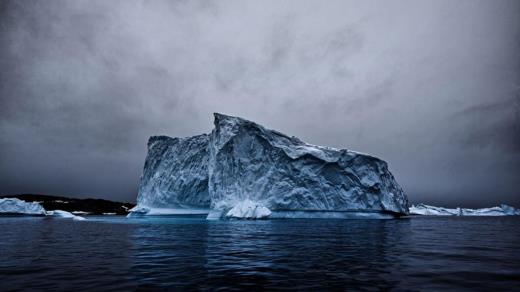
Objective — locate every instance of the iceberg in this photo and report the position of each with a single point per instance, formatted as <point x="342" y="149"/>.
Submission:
<point x="13" y="206"/>
<point x="244" y="170"/>
<point x="427" y="210"/>
<point x="64" y="214"/>
<point x="175" y="176"/>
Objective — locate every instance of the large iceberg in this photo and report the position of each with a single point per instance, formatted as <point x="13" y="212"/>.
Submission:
<point x="14" y="206"/>
<point x="427" y="210"/>
<point x="243" y="170"/>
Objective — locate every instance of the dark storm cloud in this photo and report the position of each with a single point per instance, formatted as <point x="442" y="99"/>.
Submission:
<point x="430" y="86"/>
<point x="493" y="125"/>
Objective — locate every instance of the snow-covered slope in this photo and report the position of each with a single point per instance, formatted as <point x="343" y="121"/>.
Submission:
<point x="16" y="206"/>
<point x="241" y="162"/>
<point x="503" y="210"/>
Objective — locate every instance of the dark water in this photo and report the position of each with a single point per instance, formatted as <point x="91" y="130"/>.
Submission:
<point x="169" y="254"/>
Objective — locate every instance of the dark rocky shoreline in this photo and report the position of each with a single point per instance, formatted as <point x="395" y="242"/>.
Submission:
<point x="90" y="206"/>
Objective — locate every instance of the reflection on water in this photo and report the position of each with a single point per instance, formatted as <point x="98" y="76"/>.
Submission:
<point x="116" y="253"/>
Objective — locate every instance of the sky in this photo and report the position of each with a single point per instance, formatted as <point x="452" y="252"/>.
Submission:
<point x="432" y="87"/>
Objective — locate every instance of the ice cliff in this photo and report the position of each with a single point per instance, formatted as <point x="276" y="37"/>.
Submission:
<point x="244" y="170"/>
<point x="502" y="210"/>
<point x="175" y="173"/>
<point x="19" y="207"/>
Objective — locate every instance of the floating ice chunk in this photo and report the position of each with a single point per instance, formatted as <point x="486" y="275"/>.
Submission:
<point x="422" y="209"/>
<point x="64" y="214"/>
<point x="503" y="210"/>
<point x="20" y="207"/>
<point x="80" y="213"/>
<point x="138" y="211"/>
<point x="248" y="209"/>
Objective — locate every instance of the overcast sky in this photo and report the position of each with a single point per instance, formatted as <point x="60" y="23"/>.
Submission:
<point x="432" y="87"/>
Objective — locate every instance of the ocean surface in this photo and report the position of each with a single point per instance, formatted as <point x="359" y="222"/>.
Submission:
<point x="116" y="253"/>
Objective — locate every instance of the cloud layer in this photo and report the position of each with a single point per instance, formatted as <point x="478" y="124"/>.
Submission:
<point x="433" y="87"/>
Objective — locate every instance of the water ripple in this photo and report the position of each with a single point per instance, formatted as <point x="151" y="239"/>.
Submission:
<point x="170" y="254"/>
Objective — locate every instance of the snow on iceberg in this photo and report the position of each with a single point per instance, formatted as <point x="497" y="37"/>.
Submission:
<point x="503" y="210"/>
<point x="242" y="163"/>
<point x="248" y="210"/>
<point x="64" y="214"/>
<point x="19" y="207"/>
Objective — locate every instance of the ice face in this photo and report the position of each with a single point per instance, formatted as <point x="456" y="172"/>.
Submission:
<point x="242" y="163"/>
<point x="16" y="206"/>
<point x="503" y="210"/>
<point x="250" y="162"/>
<point x="175" y="173"/>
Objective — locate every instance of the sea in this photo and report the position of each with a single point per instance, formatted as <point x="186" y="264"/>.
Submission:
<point x="115" y="253"/>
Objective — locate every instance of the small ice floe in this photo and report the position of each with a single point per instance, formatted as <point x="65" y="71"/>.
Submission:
<point x="80" y="213"/>
<point x="427" y="210"/>
<point x="248" y="209"/>
<point x="138" y="211"/>
<point x="61" y="201"/>
<point x="109" y="214"/>
<point x="64" y="214"/>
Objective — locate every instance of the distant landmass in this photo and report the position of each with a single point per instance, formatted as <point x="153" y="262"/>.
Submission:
<point x="76" y="206"/>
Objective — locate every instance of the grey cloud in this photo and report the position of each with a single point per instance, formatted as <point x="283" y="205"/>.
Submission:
<point x="427" y="85"/>
<point x="493" y="125"/>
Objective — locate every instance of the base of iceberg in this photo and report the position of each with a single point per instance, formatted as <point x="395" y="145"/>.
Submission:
<point x="331" y="215"/>
<point x="427" y="210"/>
<point x="253" y="214"/>
<point x="145" y="211"/>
